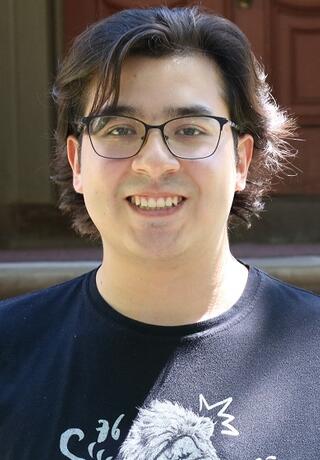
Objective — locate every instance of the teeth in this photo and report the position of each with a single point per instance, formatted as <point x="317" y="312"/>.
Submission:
<point x="161" y="202"/>
<point x="144" y="202"/>
<point x="152" y="203"/>
<point x="155" y="203"/>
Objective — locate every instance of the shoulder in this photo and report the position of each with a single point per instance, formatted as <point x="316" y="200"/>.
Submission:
<point x="40" y="306"/>
<point x="42" y="295"/>
<point x="289" y="306"/>
<point x="287" y="293"/>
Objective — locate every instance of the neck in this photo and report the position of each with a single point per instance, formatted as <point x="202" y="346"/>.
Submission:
<point x="175" y="293"/>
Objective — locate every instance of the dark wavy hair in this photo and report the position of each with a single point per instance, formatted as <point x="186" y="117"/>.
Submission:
<point x="96" y="56"/>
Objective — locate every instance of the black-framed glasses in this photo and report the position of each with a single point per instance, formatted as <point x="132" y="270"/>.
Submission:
<point x="120" y="137"/>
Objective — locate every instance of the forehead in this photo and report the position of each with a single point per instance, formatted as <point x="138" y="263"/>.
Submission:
<point x="156" y="87"/>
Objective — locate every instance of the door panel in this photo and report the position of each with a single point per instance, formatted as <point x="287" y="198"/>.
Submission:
<point x="295" y="69"/>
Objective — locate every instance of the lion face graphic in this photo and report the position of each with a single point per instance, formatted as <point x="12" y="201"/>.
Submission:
<point x="167" y="431"/>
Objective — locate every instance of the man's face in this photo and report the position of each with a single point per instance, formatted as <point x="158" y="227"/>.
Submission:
<point x="155" y="89"/>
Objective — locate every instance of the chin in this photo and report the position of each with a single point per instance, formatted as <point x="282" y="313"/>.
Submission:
<point x="160" y="251"/>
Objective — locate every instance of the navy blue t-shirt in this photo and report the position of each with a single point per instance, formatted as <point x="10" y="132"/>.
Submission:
<point x="80" y="381"/>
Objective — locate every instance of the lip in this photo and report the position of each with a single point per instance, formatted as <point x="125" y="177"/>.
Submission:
<point x="150" y="194"/>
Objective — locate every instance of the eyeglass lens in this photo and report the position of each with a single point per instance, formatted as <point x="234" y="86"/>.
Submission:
<point x="122" y="137"/>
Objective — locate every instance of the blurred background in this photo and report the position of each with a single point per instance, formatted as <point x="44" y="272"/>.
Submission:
<point x="34" y="35"/>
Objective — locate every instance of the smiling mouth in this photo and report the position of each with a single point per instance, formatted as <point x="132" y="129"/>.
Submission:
<point x="155" y="204"/>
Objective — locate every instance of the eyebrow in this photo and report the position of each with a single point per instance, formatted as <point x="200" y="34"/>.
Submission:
<point x="195" y="109"/>
<point x="119" y="110"/>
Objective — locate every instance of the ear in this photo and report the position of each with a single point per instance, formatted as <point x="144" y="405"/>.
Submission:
<point x="245" y="150"/>
<point x="73" y="152"/>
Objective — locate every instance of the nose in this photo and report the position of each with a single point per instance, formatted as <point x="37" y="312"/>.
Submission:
<point x="154" y="158"/>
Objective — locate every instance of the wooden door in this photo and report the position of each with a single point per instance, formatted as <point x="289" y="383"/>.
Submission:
<point x="285" y="34"/>
<point x="294" y="61"/>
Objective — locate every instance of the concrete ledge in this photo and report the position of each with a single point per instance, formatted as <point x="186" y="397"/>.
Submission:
<point x="22" y="277"/>
<point x="302" y="271"/>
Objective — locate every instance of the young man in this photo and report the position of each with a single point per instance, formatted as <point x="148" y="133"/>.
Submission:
<point x="171" y="349"/>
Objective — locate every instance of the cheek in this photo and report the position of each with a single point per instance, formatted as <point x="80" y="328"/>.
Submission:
<point x="217" y="175"/>
<point x="101" y="178"/>
<point x="216" y="179"/>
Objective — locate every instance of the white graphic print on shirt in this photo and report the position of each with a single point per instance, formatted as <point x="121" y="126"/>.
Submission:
<point x="161" y="431"/>
<point x="165" y="430"/>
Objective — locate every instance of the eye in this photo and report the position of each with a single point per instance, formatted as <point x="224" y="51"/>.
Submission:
<point x="121" y="131"/>
<point x="112" y="131"/>
<point x="189" y="131"/>
<point x="112" y="127"/>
